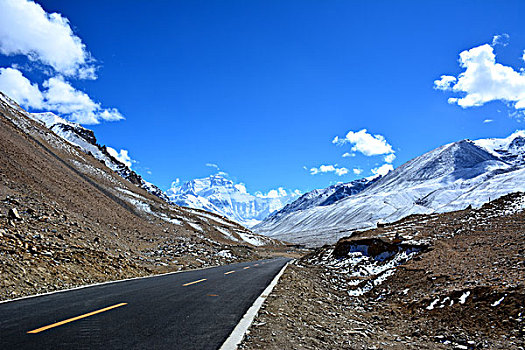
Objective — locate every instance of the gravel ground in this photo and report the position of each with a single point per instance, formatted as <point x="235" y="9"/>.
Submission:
<point x="465" y="291"/>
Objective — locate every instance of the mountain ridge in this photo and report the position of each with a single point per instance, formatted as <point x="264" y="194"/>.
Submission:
<point x="222" y="196"/>
<point x="450" y="177"/>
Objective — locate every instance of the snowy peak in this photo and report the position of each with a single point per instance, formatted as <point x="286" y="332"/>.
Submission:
<point x="327" y="196"/>
<point x="222" y="196"/>
<point x="207" y="186"/>
<point x="510" y="149"/>
<point x="458" y="160"/>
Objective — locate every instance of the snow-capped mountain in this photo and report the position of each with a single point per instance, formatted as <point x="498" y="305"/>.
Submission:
<point x="220" y="195"/>
<point x="325" y="196"/>
<point x="450" y="177"/>
<point x="86" y="140"/>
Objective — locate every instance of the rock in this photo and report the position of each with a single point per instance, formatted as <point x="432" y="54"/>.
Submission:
<point x="13" y="214"/>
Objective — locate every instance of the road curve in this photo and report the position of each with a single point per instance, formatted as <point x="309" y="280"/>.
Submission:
<point x="195" y="309"/>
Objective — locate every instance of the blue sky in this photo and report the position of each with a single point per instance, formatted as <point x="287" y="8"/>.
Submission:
<point x="261" y="88"/>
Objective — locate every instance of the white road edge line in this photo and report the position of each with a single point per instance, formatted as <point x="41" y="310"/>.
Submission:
<point x="110" y="282"/>
<point x="238" y="333"/>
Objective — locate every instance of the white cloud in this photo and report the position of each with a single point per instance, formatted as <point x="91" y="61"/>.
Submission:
<point x="212" y="165"/>
<point x="357" y="171"/>
<point x="346" y="155"/>
<point x="279" y="193"/>
<point x="122" y="156"/>
<point x="329" y="169"/>
<point x="26" y="29"/>
<point x="389" y="158"/>
<point x="383" y="169"/>
<point x="58" y="96"/>
<point x="488" y="121"/>
<point x="444" y="83"/>
<point x="365" y="143"/>
<point x="501" y="39"/>
<point x="341" y="171"/>
<point x="484" y="80"/>
<point x="20" y="89"/>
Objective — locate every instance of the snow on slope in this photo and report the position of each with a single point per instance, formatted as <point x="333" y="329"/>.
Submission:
<point x="220" y="195"/>
<point x="86" y="140"/>
<point x="451" y="177"/>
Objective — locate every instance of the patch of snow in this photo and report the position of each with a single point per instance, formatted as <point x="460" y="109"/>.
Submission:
<point x="225" y="254"/>
<point x="497" y="302"/>
<point x="464" y="297"/>
<point x="432" y="304"/>
<point x="227" y="233"/>
<point x="195" y="226"/>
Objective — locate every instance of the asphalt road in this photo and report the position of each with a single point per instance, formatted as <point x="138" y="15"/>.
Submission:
<point x="196" y="309"/>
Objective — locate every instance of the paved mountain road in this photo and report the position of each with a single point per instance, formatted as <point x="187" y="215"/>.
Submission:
<point x="195" y="309"/>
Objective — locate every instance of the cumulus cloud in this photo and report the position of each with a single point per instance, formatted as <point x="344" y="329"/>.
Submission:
<point x="357" y="171"/>
<point x="389" y="158"/>
<point x="484" y="80"/>
<point x="329" y="169"/>
<point x="58" y="96"/>
<point x="20" y="89"/>
<point x="78" y="106"/>
<point x="500" y="39"/>
<point x="347" y="154"/>
<point x="26" y="29"/>
<point x="365" y="143"/>
<point x="444" y="83"/>
<point x="122" y="156"/>
<point x="383" y="169"/>
<point x="279" y="193"/>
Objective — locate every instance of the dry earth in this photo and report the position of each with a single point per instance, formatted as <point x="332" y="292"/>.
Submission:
<point x="464" y="291"/>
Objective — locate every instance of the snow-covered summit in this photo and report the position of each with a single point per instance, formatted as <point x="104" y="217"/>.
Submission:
<point x="222" y="196"/>
<point x="450" y="177"/>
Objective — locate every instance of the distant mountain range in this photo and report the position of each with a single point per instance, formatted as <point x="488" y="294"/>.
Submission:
<point x="220" y="195"/>
<point x="451" y="177"/>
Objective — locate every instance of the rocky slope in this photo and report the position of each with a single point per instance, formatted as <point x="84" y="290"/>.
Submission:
<point x="220" y="195"/>
<point x="85" y="139"/>
<point x="438" y="281"/>
<point x="451" y="177"/>
<point x="66" y="219"/>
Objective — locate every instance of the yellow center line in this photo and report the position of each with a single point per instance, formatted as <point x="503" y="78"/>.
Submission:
<point x="188" y="284"/>
<point x="227" y="273"/>
<point x="247" y="267"/>
<point x="38" y="330"/>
